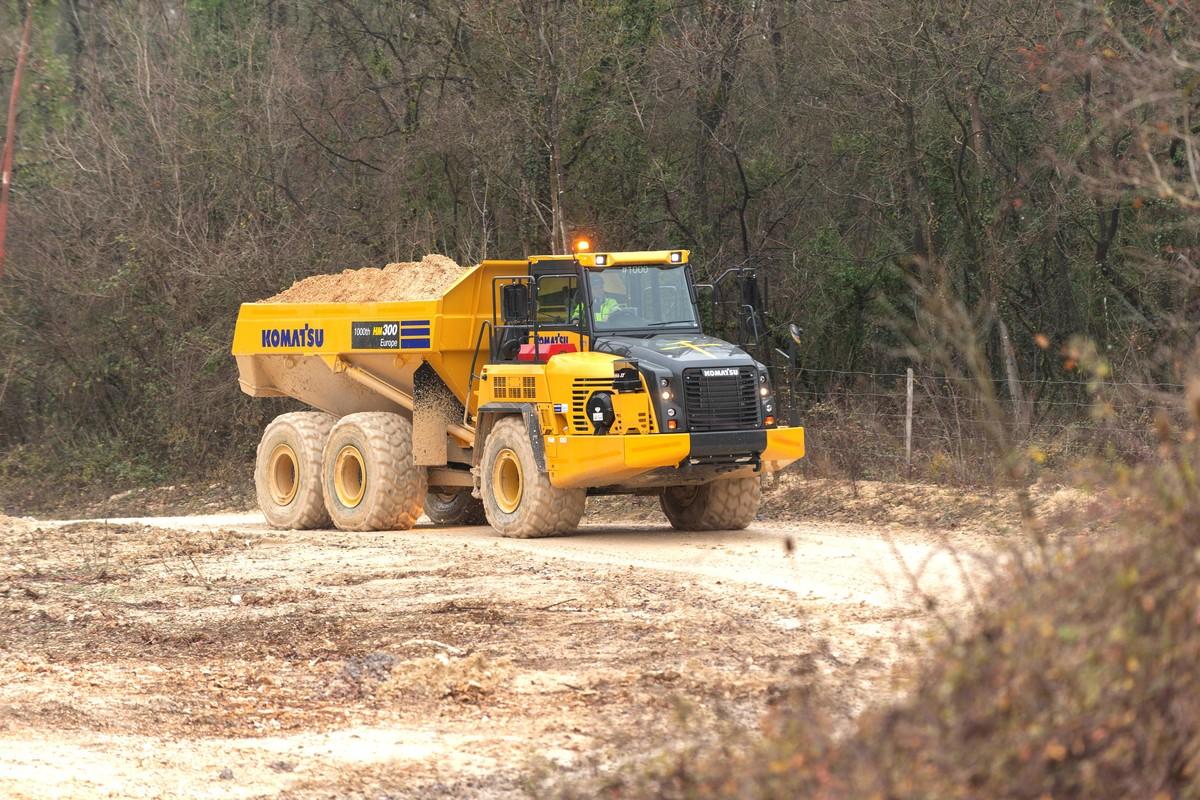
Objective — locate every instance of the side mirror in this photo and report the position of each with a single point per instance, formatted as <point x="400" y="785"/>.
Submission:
<point x="747" y="304"/>
<point x="748" y="285"/>
<point x="794" y="331"/>
<point x="514" y="303"/>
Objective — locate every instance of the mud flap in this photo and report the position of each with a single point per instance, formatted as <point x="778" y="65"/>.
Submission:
<point x="434" y="408"/>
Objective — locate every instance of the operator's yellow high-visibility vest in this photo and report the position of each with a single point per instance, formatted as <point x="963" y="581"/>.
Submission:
<point x="607" y="307"/>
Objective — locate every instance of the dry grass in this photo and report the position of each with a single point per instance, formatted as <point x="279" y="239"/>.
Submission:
<point x="1076" y="679"/>
<point x="465" y="679"/>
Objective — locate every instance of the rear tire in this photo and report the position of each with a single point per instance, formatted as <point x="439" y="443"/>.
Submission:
<point x="726" y="505"/>
<point x="518" y="498"/>
<point x="287" y="470"/>
<point x="370" y="481"/>
<point x="454" y="508"/>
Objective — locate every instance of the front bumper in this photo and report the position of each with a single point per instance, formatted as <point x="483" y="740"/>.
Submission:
<point x="582" y="461"/>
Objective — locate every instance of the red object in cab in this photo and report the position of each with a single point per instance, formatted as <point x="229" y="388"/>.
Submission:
<point x="544" y="351"/>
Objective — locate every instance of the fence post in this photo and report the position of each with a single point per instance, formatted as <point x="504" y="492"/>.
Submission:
<point x="1020" y="416"/>
<point x="908" y="424"/>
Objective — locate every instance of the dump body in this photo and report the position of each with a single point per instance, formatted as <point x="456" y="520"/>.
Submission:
<point x="300" y="350"/>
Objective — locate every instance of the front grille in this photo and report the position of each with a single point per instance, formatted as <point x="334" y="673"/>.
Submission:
<point x="526" y="389"/>
<point x="721" y="403"/>
<point x="581" y="390"/>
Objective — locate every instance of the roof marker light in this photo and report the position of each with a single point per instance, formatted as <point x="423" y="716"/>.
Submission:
<point x="676" y="258"/>
<point x="601" y="260"/>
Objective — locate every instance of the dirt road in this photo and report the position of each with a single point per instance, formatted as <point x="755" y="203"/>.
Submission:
<point x="208" y="656"/>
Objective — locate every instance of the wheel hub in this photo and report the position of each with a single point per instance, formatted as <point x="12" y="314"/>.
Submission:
<point x="349" y="476"/>
<point x="507" y="480"/>
<point x="283" y="474"/>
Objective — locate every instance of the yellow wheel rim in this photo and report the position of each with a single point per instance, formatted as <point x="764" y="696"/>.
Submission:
<point x="283" y="474"/>
<point x="349" y="476"/>
<point x="507" y="480"/>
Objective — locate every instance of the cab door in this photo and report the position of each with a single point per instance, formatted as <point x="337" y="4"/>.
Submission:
<point x="560" y="308"/>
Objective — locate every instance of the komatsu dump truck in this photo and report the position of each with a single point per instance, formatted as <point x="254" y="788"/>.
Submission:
<point x="525" y="387"/>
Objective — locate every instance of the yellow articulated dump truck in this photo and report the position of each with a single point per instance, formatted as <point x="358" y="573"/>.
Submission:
<point x="521" y="389"/>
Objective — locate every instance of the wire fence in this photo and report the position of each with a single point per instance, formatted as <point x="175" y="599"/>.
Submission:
<point x="867" y="425"/>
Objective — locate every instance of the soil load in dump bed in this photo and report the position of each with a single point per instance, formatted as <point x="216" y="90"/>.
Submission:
<point x="407" y="280"/>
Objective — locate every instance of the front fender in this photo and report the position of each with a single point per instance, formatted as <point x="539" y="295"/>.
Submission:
<point x="489" y="413"/>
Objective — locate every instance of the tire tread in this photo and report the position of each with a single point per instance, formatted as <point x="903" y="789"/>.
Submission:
<point x="545" y="510"/>
<point x="311" y="430"/>
<point x="464" y="510"/>
<point x="387" y="449"/>
<point x="724" y="505"/>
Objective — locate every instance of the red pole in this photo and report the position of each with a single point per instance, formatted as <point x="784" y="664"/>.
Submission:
<point x="10" y="131"/>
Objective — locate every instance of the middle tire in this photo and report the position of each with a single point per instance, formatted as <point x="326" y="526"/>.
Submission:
<point x="454" y="508"/>
<point x="369" y="481"/>
<point x="517" y="497"/>
<point x="724" y="505"/>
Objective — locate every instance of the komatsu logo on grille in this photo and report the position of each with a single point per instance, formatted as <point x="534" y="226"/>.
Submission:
<point x="726" y="372"/>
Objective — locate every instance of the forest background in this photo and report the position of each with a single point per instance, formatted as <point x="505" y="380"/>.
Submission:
<point x="1014" y="177"/>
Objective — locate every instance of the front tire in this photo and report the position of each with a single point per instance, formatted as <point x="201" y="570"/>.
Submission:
<point x="287" y="470"/>
<point x="370" y="481"/>
<point x="454" y="508"/>
<point x="518" y="498"/>
<point x="725" y="505"/>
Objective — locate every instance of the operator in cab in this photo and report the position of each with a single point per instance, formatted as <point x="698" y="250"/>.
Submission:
<point x="603" y="303"/>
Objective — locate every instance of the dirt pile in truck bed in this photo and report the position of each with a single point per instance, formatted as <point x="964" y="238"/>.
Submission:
<point x="407" y="280"/>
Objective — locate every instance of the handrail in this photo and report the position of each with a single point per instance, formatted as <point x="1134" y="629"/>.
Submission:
<point x="471" y="375"/>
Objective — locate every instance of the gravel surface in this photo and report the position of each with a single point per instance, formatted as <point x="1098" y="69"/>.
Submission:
<point x="209" y="656"/>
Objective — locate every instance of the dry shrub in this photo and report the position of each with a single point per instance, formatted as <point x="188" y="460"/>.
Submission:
<point x="1079" y="680"/>
<point x="467" y="679"/>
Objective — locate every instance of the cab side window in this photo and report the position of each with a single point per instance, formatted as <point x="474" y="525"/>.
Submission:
<point x="556" y="296"/>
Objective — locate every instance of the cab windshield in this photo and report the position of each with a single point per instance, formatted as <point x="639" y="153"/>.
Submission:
<point x="641" y="297"/>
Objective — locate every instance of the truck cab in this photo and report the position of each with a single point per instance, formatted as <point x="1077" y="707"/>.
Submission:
<point x="617" y="340"/>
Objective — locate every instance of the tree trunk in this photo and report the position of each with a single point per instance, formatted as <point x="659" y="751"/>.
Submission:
<point x="11" y="130"/>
